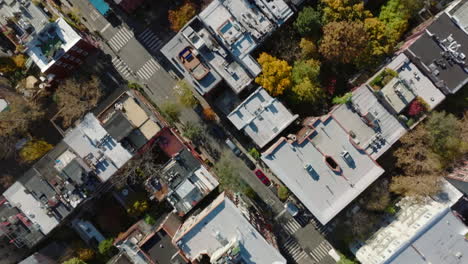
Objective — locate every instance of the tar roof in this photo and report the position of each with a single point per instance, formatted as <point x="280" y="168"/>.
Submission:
<point x="366" y="118"/>
<point x="261" y="117"/>
<point x="441" y="52"/>
<point x="325" y="170"/>
<point x="219" y="224"/>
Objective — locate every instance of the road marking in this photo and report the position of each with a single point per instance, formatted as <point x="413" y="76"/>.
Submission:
<point x="94" y="15"/>
<point x="120" y="39"/>
<point x="321" y="251"/>
<point x="105" y="27"/>
<point x="121" y="67"/>
<point x="293" y="250"/>
<point x="150" y="40"/>
<point x="148" y="69"/>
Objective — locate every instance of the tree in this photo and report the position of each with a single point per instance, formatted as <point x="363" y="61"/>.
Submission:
<point x="283" y="193"/>
<point x="34" y="149"/>
<point x="345" y="260"/>
<point x="150" y="220"/>
<point x="74" y="261"/>
<point x="209" y="114"/>
<point x="308" y="22"/>
<point x="86" y="254"/>
<point x="306" y="85"/>
<point x="275" y="76"/>
<point x="343" y="41"/>
<point x="416" y="186"/>
<point x="193" y="132"/>
<point x="347" y="97"/>
<point x="185" y="94"/>
<point x="228" y="175"/>
<point x="379" y="43"/>
<point x="362" y="223"/>
<point x="308" y="48"/>
<point x="171" y="112"/>
<point x="10" y="64"/>
<point x="254" y="153"/>
<point x="75" y="97"/>
<point x="106" y="247"/>
<point x="6" y="181"/>
<point x="394" y="14"/>
<point x="179" y="17"/>
<point x="444" y="133"/>
<point x="377" y="196"/>
<point x="344" y="10"/>
<point x="19" y="116"/>
<point x="137" y="208"/>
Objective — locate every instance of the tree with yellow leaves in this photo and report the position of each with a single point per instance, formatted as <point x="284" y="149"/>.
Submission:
<point x="344" y="10"/>
<point x="34" y="149"/>
<point x="275" y="76"/>
<point x="179" y="17"/>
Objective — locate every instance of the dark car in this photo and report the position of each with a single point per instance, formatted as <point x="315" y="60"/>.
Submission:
<point x="248" y="162"/>
<point x="218" y="132"/>
<point x="262" y="177"/>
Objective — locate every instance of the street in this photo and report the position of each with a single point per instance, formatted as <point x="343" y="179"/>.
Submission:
<point x="136" y="63"/>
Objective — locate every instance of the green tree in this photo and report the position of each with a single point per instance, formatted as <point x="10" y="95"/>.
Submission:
<point x="228" y="175"/>
<point x="344" y="10"/>
<point x="275" y="76"/>
<point x="254" y="153"/>
<point x="305" y="69"/>
<point x="308" y="22"/>
<point x="179" y="17"/>
<point x="444" y="132"/>
<point x="345" y="260"/>
<point x="34" y="149"/>
<point x="185" y="94"/>
<point x="171" y="112"/>
<point x="106" y="247"/>
<point x="395" y="15"/>
<point x="308" y="48"/>
<point x="150" y="220"/>
<point x="137" y="208"/>
<point x="283" y="193"/>
<point x="74" y="261"/>
<point x="343" y="41"/>
<point x="342" y="99"/>
<point x="306" y="85"/>
<point x="193" y="131"/>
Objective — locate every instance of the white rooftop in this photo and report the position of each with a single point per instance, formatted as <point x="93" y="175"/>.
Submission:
<point x="217" y="227"/>
<point x="375" y="128"/>
<point x="422" y="232"/>
<point x="3" y="104"/>
<point x="97" y="148"/>
<point x="17" y="196"/>
<point x="301" y="164"/>
<point x="261" y="117"/>
<point x="53" y="34"/>
<point x="418" y="83"/>
<point x="458" y="10"/>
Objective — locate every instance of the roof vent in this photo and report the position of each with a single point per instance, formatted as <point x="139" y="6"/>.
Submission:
<point x="458" y="255"/>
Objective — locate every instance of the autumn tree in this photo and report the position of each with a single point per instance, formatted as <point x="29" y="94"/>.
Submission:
<point x="379" y="43"/>
<point x="395" y="15"/>
<point x="74" y="261"/>
<point x="306" y="84"/>
<point x="228" y="175"/>
<point x="75" y="97"/>
<point x="377" y="197"/>
<point x="34" y="149"/>
<point x="85" y="254"/>
<point x="344" y="10"/>
<point x="275" y="76"/>
<point x="9" y="64"/>
<point x="308" y="48"/>
<point x="179" y="17"/>
<point x="343" y="41"/>
<point x="19" y="116"/>
<point x="137" y="208"/>
<point x="6" y="181"/>
<point x="209" y="114"/>
<point x="308" y="22"/>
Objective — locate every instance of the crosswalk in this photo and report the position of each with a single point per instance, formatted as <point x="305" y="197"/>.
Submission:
<point x="150" y="40"/>
<point x="291" y="226"/>
<point x="148" y="69"/>
<point x="293" y="250"/>
<point x="321" y="251"/>
<point x="120" y="39"/>
<point x="121" y="67"/>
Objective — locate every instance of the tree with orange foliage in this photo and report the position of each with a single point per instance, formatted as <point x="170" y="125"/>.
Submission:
<point x="276" y="74"/>
<point x="209" y="114"/>
<point x="179" y="17"/>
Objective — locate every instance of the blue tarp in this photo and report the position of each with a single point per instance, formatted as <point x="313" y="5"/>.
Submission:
<point x="101" y="6"/>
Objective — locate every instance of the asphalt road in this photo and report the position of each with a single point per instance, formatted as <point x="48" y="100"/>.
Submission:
<point x="135" y="63"/>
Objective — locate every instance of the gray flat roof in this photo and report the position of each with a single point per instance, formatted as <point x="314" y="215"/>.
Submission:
<point x="444" y="37"/>
<point x="302" y="166"/>
<point x="355" y="118"/>
<point x="261" y="117"/>
<point x="219" y="225"/>
<point x="444" y="242"/>
<point x="397" y="94"/>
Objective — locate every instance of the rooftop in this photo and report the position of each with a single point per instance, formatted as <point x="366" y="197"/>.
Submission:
<point x="323" y="167"/>
<point x="415" y="81"/>
<point x="421" y="232"/>
<point x="261" y="117"/>
<point x="374" y="128"/>
<point x="29" y="18"/>
<point x="161" y="250"/>
<point x="220" y="231"/>
<point x="96" y="147"/>
<point x="188" y="181"/>
<point x="441" y="54"/>
<point x="459" y="12"/>
<point x="397" y="94"/>
<point x="51" y="43"/>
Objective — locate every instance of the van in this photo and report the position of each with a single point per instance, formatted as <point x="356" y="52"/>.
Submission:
<point x="233" y="147"/>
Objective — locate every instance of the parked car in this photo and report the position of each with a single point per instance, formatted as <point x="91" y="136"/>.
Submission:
<point x="262" y="177"/>
<point x="291" y="209"/>
<point x="248" y="162"/>
<point x="218" y="132"/>
<point x="233" y="147"/>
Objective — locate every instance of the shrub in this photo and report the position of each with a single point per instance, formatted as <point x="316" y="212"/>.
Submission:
<point x="254" y="153"/>
<point x="343" y="99"/>
<point x="85" y="254"/>
<point x="185" y="94"/>
<point x="106" y="246"/>
<point x="283" y="193"/>
<point x="150" y="220"/>
<point x="134" y="85"/>
<point x="171" y="112"/>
